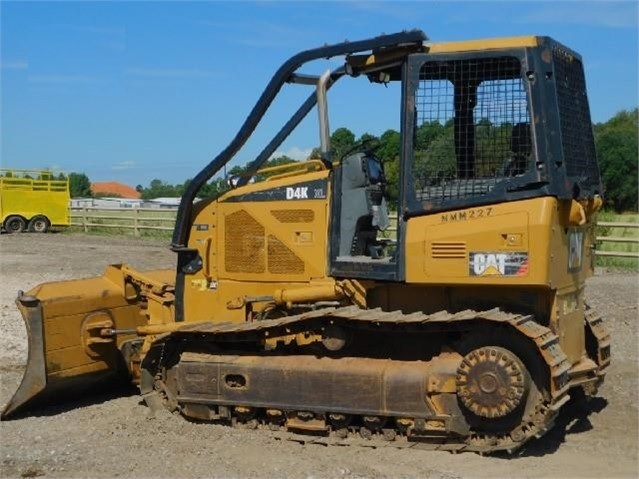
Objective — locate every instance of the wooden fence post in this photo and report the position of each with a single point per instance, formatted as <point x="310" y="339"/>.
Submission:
<point x="136" y="219"/>
<point x="84" y="219"/>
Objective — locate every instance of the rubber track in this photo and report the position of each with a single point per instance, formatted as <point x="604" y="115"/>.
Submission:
<point x="546" y="342"/>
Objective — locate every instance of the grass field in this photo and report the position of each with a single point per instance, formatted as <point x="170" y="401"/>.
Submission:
<point x="618" y="232"/>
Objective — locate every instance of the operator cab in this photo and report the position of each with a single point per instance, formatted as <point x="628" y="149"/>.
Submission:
<point x="480" y="124"/>
<point x="364" y="210"/>
<point x="360" y="218"/>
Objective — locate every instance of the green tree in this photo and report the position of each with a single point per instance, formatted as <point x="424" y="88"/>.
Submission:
<point x="279" y="161"/>
<point x="315" y="154"/>
<point x="438" y="162"/>
<point x="389" y="146"/>
<point x="159" y="189"/>
<point x="492" y="147"/>
<point x="388" y="153"/>
<point x="368" y="139"/>
<point x="391" y="171"/>
<point x="426" y="133"/>
<point x="342" y="140"/>
<point x="617" y="141"/>
<point x="213" y="188"/>
<point x="79" y="185"/>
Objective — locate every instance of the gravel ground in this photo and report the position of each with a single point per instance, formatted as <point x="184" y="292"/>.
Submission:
<point x="111" y="435"/>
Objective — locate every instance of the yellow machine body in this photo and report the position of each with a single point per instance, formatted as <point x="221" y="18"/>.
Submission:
<point x="476" y="321"/>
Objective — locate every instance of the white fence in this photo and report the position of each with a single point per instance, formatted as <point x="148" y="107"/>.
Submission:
<point x="618" y="239"/>
<point x="154" y="219"/>
<point x="136" y="219"/>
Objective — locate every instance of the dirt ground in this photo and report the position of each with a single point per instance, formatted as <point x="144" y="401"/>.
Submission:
<point x="111" y="436"/>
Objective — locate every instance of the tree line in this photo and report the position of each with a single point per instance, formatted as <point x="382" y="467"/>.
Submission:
<point x="616" y="141"/>
<point x="617" y="146"/>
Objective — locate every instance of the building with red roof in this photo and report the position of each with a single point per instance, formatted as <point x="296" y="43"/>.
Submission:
<point x="114" y="188"/>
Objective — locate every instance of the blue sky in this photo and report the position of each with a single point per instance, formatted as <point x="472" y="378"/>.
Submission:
<point x="135" y="91"/>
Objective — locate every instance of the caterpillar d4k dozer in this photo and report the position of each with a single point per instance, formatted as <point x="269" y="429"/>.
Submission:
<point x="290" y="311"/>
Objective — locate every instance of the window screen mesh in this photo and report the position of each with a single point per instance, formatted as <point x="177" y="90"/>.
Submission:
<point x="574" y="117"/>
<point x="473" y="127"/>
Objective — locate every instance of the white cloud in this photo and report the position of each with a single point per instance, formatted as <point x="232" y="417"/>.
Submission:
<point x="260" y="33"/>
<point x="294" y="153"/>
<point x="123" y="165"/>
<point x="112" y="38"/>
<point x="407" y="11"/>
<point x="15" y="65"/>
<point x="66" y="80"/>
<point x="598" y="14"/>
<point x="169" y="72"/>
<point x="114" y="31"/>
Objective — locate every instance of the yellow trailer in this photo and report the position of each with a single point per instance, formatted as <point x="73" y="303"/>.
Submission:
<point x="33" y="199"/>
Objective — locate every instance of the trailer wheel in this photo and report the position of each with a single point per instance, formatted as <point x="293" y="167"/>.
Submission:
<point x="15" y="224"/>
<point x="39" y="224"/>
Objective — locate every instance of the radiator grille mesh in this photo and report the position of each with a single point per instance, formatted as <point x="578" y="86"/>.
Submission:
<point x="281" y="259"/>
<point x="294" y="216"/>
<point x="244" y="250"/>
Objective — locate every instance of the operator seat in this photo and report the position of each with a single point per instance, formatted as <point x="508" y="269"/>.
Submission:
<point x="521" y="148"/>
<point x="364" y="210"/>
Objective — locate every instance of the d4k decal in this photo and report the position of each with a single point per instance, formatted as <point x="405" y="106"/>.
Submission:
<point x="298" y="193"/>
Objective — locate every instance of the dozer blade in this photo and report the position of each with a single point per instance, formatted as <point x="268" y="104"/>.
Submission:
<point x="72" y="345"/>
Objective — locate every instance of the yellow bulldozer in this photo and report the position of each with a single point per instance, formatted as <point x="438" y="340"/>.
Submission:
<point x="291" y="311"/>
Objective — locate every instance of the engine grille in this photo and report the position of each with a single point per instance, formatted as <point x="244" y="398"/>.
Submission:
<point x="281" y="259"/>
<point x="244" y="249"/>
<point x="294" y="216"/>
<point x="248" y="249"/>
<point x="448" y="249"/>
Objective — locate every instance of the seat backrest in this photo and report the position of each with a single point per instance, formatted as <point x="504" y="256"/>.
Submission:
<point x="364" y="210"/>
<point x="521" y="147"/>
<point x="520" y="139"/>
<point x="354" y="201"/>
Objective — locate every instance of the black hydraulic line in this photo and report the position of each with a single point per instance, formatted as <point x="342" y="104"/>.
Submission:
<point x="286" y="130"/>
<point x="181" y="231"/>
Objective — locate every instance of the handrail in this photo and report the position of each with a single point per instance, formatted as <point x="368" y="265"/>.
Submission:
<point x="302" y="167"/>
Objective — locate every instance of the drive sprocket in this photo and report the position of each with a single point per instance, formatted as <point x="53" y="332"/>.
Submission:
<point x="491" y="382"/>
